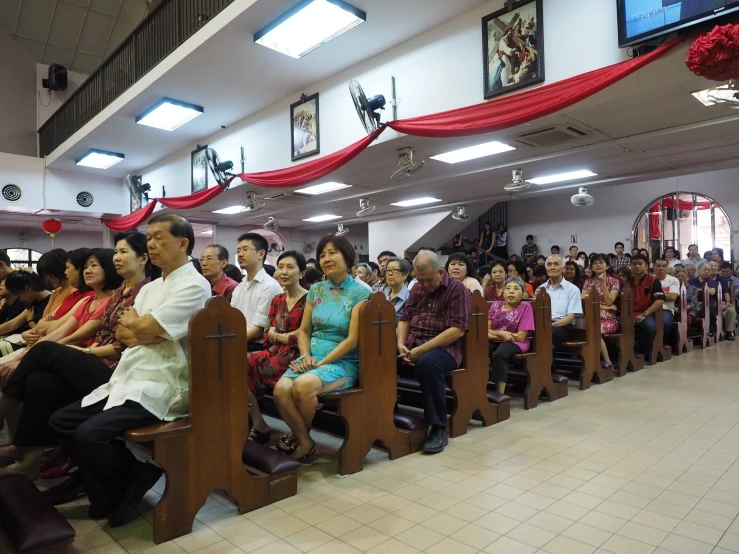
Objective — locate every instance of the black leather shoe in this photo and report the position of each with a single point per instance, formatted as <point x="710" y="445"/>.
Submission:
<point x="101" y="511"/>
<point x="436" y="441"/>
<point x="67" y="491"/>
<point x="143" y="477"/>
<point x="730" y="336"/>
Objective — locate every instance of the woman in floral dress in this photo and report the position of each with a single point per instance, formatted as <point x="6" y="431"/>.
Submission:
<point x="327" y="340"/>
<point x="285" y="314"/>
<point x="509" y="323"/>
<point x="608" y="288"/>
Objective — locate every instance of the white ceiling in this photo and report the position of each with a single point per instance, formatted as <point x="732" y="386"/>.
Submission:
<point x="78" y="34"/>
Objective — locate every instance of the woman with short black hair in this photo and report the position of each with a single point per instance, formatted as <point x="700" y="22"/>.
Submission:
<point x="460" y="267"/>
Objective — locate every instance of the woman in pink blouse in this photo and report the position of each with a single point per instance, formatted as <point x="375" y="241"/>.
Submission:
<point x="509" y="323"/>
<point x="608" y="288"/>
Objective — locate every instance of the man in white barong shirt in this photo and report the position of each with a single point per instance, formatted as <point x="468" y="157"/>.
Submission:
<point x="150" y="383"/>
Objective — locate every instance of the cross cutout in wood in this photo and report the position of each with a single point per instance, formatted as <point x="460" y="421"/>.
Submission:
<point x="476" y="316"/>
<point x="379" y="322"/>
<point x="219" y="337"/>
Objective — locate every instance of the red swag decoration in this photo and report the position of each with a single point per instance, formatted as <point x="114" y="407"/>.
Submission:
<point x="526" y="106"/>
<point x="472" y="120"/>
<point x="715" y="55"/>
<point x="132" y="220"/>
<point x="310" y="171"/>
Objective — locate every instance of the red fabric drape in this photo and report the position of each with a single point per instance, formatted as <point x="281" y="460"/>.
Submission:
<point x="191" y="200"/>
<point x="310" y="171"/>
<point x="686" y="205"/>
<point x="132" y="220"/>
<point x="526" y="106"/>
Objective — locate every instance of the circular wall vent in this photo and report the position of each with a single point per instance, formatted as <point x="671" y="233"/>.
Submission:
<point x="11" y="193"/>
<point x="84" y="199"/>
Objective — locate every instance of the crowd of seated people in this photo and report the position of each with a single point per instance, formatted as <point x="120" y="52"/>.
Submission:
<point x="95" y="343"/>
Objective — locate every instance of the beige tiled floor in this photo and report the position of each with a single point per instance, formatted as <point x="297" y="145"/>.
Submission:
<point x="645" y="464"/>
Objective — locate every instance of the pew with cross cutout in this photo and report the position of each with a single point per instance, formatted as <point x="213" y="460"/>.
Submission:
<point x="660" y="351"/>
<point x="624" y="338"/>
<point x="368" y="409"/>
<point x="681" y="344"/>
<point x="720" y="336"/>
<point x="205" y="451"/>
<point x="700" y="331"/>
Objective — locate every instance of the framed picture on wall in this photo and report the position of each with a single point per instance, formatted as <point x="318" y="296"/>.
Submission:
<point x="513" y="48"/>
<point x="199" y="169"/>
<point x="305" y="138"/>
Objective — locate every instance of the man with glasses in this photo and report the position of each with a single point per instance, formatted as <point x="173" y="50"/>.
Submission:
<point x="254" y="294"/>
<point x="213" y="262"/>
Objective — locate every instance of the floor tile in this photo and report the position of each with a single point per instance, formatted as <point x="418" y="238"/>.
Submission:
<point x="419" y="537"/>
<point x="684" y="545"/>
<point x="475" y="536"/>
<point x="643" y="533"/>
<point x="506" y="545"/>
<point x="619" y="544"/>
<point x="565" y="545"/>
<point x="587" y="534"/>
<point x="554" y="523"/>
<point x="656" y="520"/>
<point x="533" y="536"/>
<point x="730" y="542"/>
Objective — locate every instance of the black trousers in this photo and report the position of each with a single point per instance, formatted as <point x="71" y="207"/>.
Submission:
<point x="430" y="370"/>
<point x="49" y="377"/>
<point x="89" y="435"/>
<point x="560" y="335"/>
<point x="501" y="358"/>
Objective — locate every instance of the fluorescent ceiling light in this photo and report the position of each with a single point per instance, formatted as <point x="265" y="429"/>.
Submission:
<point x="322" y="188"/>
<point x="416" y="202"/>
<point x="168" y="114"/>
<point x="308" y="25"/>
<point x="473" y="152"/>
<point x="570" y="176"/>
<point x="325" y="217"/>
<point x="207" y="233"/>
<point x="231" y="210"/>
<point x="99" y="159"/>
<point x="721" y="94"/>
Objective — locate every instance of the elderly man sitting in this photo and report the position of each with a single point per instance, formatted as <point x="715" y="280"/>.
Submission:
<point x="566" y="302"/>
<point x="430" y="331"/>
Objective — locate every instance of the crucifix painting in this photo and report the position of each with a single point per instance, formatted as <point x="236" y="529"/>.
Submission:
<point x="513" y="47"/>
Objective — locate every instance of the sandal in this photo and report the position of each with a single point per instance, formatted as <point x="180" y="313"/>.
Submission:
<point x="305" y="458"/>
<point x="261" y="437"/>
<point x="286" y="444"/>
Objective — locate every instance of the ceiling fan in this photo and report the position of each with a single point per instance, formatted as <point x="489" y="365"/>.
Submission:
<point x="460" y="214"/>
<point x="407" y="168"/>
<point x="271" y="225"/>
<point x="367" y="109"/>
<point x="341" y="230"/>
<point x="582" y="199"/>
<point x="364" y="207"/>
<point x="252" y="204"/>
<point x="517" y="184"/>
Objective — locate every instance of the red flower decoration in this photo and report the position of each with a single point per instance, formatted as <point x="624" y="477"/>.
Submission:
<point x="715" y="55"/>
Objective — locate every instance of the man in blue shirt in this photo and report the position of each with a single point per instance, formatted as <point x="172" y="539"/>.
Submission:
<point x="566" y="302"/>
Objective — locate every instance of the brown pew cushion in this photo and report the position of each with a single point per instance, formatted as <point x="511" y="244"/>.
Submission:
<point x="494" y="397"/>
<point x="408" y="422"/>
<point x="264" y="459"/>
<point x="557" y="378"/>
<point x="28" y="519"/>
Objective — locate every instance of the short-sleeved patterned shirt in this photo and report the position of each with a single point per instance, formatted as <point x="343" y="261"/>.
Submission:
<point x="116" y="304"/>
<point x="431" y="313"/>
<point x="521" y="318"/>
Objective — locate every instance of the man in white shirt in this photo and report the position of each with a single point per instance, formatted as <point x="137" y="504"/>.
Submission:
<point x="671" y="288"/>
<point x="150" y="383"/>
<point x="254" y="294"/>
<point x="566" y="302"/>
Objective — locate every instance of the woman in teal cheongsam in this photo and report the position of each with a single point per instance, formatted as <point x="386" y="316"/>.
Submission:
<point x="327" y="340"/>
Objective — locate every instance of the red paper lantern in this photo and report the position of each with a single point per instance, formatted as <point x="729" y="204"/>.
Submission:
<point x="52" y="226"/>
<point x="715" y="55"/>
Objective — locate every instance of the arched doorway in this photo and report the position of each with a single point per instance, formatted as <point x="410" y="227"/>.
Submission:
<point x="680" y="219"/>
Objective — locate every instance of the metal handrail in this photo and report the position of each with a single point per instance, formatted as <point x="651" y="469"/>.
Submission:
<point x="169" y="25"/>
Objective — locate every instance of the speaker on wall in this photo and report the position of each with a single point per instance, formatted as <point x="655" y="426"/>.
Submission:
<point x="11" y="193"/>
<point x="84" y="199"/>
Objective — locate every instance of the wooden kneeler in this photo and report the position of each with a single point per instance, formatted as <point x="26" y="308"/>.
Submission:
<point x="367" y="409"/>
<point x="203" y="453"/>
<point x="681" y="343"/>
<point x="627" y="358"/>
<point x="469" y="385"/>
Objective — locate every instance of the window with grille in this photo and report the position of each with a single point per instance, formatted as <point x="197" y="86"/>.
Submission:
<point x="23" y="258"/>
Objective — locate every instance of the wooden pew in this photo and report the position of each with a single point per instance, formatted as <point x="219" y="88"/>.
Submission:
<point x="701" y="332"/>
<point x="204" y="452"/>
<point x="468" y="386"/>
<point x="660" y="351"/>
<point x="367" y="409"/>
<point x="627" y="358"/>
<point x="586" y="342"/>
<point x="681" y="344"/>
<point x="720" y="332"/>
<point x="537" y="362"/>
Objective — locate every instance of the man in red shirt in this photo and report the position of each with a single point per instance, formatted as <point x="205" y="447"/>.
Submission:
<point x="213" y="262"/>
<point x="648" y="298"/>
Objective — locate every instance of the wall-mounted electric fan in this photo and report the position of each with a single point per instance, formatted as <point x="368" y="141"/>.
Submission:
<point x="367" y="109"/>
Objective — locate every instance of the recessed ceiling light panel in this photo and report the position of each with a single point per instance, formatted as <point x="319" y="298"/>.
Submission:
<point x="473" y="152"/>
<point x="168" y="114"/>
<point x="416" y="202"/>
<point x="322" y="188"/>
<point x="308" y="25"/>
<point x="230" y="210"/>
<point x="99" y="159"/>
<point x="324" y="217"/>
<point x="560" y="177"/>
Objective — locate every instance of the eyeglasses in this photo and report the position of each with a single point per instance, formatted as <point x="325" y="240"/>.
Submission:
<point x="208" y="259"/>
<point x="245" y="249"/>
<point x="392" y="270"/>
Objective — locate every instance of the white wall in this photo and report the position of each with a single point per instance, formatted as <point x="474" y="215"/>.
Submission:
<point x="17" y="99"/>
<point x="47" y="104"/>
<point x="36" y="239"/>
<point x="401" y="234"/>
<point x="614" y="213"/>
<point x="438" y="70"/>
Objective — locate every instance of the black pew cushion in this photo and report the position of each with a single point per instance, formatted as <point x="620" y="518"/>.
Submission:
<point x="264" y="459"/>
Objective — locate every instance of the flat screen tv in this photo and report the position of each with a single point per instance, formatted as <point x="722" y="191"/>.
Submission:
<point x="641" y="20"/>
